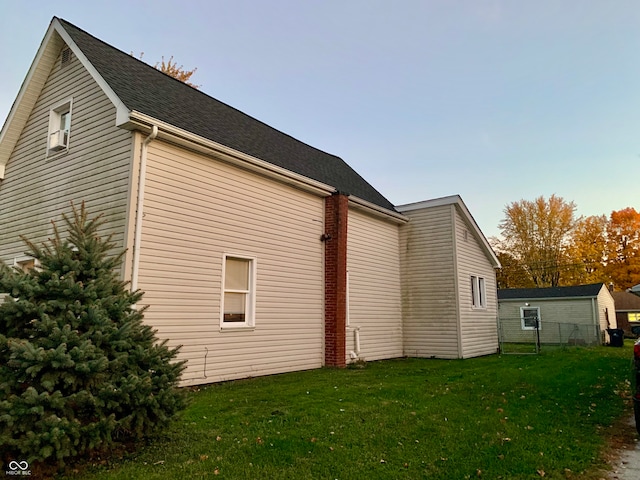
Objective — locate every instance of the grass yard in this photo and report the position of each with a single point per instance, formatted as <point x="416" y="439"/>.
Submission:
<point x="510" y="417"/>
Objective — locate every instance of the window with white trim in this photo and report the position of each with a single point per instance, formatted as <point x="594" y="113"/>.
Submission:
<point x="238" y="291"/>
<point x="25" y="263"/>
<point x="59" y="127"/>
<point x="478" y="292"/>
<point x="530" y="318"/>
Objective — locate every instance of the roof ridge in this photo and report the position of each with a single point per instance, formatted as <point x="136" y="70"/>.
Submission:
<point x="142" y="89"/>
<point x="201" y="92"/>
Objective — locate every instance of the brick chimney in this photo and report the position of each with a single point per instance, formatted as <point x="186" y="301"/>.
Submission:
<point x="335" y="280"/>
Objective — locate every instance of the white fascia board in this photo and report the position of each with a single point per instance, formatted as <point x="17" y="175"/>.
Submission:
<point x="33" y="83"/>
<point x="377" y="210"/>
<point x="28" y="94"/>
<point x="122" y="112"/>
<point x="547" y="299"/>
<point x="435" y="202"/>
<point x="195" y="142"/>
<point x="457" y="201"/>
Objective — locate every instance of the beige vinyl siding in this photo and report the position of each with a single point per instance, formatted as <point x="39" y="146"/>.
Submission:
<point x="429" y="299"/>
<point x="37" y="188"/>
<point x="196" y="210"/>
<point x="373" y="262"/>
<point x="478" y="326"/>
<point x="606" y="303"/>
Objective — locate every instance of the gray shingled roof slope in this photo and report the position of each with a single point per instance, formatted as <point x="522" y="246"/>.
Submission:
<point x="149" y="91"/>
<point x="591" y="290"/>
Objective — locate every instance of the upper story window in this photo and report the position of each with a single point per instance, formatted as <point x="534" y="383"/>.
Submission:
<point x="238" y="292"/>
<point x="59" y="127"/>
<point x="478" y="292"/>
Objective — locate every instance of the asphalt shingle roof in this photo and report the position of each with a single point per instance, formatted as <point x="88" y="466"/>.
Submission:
<point x="626" y="301"/>
<point x="144" y="89"/>
<point x="591" y="290"/>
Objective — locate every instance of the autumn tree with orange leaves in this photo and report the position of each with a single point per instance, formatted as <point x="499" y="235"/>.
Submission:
<point x="543" y="244"/>
<point x="588" y="251"/>
<point x="537" y="234"/>
<point x="176" y="71"/>
<point x="171" y="68"/>
<point x="623" y="248"/>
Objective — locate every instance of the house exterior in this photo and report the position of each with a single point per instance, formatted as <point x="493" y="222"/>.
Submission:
<point x="257" y="253"/>
<point x="578" y="314"/>
<point x="627" y="310"/>
<point x="448" y="273"/>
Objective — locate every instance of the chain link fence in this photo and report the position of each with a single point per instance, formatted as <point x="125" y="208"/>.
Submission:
<point x="527" y="337"/>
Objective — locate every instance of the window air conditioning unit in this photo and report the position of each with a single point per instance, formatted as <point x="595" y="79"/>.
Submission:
<point x="59" y="140"/>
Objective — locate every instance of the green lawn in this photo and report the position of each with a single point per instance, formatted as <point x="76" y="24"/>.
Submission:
<point x="493" y="417"/>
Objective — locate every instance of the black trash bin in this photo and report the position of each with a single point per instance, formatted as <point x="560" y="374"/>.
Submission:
<point x="616" y="337"/>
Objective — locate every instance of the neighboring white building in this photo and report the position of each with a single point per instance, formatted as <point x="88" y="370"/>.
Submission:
<point x="579" y="314"/>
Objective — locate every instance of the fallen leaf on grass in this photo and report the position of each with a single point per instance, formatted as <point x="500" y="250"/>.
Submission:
<point x="541" y="473"/>
<point x="203" y="457"/>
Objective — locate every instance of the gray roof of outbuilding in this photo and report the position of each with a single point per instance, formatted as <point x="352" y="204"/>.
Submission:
<point x="147" y="90"/>
<point x="591" y="290"/>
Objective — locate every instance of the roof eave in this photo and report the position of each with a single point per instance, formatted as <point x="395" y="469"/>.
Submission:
<point x="122" y="112"/>
<point x="140" y="121"/>
<point x="35" y="80"/>
<point x="530" y="299"/>
<point x="28" y="94"/>
<point x="459" y="203"/>
<point x="378" y="210"/>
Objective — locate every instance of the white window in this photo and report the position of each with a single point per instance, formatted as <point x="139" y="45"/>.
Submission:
<point x="530" y="318"/>
<point x="478" y="292"/>
<point x="25" y="263"/>
<point x="238" y="292"/>
<point x="59" y="127"/>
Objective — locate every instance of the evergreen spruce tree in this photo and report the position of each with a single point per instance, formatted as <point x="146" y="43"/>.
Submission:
<point x="79" y="370"/>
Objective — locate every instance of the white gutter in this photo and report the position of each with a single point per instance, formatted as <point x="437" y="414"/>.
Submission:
<point x="248" y="162"/>
<point x="376" y="209"/>
<point x="196" y="142"/>
<point x="139" y="207"/>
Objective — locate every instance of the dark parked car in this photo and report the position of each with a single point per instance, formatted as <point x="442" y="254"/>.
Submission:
<point x="636" y="383"/>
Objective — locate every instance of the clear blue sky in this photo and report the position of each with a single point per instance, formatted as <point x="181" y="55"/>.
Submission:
<point x="493" y="100"/>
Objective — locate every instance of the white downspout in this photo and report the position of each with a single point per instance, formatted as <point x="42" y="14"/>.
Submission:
<point x="355" y="353"/>
<point x="139" y="207"/>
